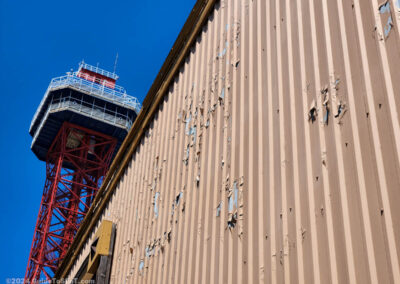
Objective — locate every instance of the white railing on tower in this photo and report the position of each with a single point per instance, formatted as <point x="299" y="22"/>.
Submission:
<point x="117" y="94"/>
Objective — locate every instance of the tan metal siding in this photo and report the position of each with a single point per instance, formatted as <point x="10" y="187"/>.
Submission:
<point x="316" y="202"/>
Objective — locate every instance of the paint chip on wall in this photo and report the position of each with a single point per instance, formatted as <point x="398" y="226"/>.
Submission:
<point x="222" y="94"/>
<point x="187" y="123"/>
<point x="219" y="208"/>
<point x="141" y="265"/>
<point x="326" y="109"/>
<point x="384" y="7"/>
<point x="186" y="158"/>
<point x="384" y="10"/>
<point x="388" y="26"/>
<point x="312" y="113"/>
<point x="178" y="198"/>
<point x="232" y="221"/>
<point x="157" y="194"/>
<point x="232" y="200"/>
<point x="341" y="110"/>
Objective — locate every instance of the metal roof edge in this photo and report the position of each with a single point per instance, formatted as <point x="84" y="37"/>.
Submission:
<point x="176" y="56"/>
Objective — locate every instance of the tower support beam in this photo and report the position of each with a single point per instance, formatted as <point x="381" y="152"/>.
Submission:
<point x="76" y="164"/>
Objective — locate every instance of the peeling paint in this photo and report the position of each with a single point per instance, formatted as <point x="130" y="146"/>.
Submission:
<point x="312" y="113"/>
<point x="222" y="94"/>
<point x="232" y="220"/>
<point x="150" y="251"/>
<point x="323" y="158"/>
<point x="341" y="110"/>
<point x="223" y="52"/>
<point x="233" y="200"/>
<point x="178" y="198"/>
<point x="193" y="133"/>
<point x="383" y="10"/>
<point x="233" y="197"/>
<point x="324" y="90"/>
<point x="156" y="204"/>
<point x="326" y="109"/>
<point x="167" y="236"/>
<point x="336" y="84"/>
<point x="187" y="124"/>
<point x="326" y="116"/>
<point x="176" y="201"/>
<point x="141" y="265"/>
<point x="303" y="233"/>
<point x="219" y="208"/>
<point x="388" y="26"/>
<point x="186" y="158"/>
<point x="241" y="181"/>
<point x="207" y="123"/>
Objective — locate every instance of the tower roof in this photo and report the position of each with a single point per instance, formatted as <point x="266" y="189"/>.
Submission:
<point x="97" y="70"/>
<point x="88" y="98"/>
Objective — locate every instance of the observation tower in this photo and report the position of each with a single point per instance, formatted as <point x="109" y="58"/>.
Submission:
<point x="77" y="130"/>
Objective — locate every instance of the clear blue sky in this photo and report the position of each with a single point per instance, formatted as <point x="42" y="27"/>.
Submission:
<point x="44" y="39"/>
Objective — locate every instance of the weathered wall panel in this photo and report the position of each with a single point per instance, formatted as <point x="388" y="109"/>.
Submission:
<point x="235" y="182"/>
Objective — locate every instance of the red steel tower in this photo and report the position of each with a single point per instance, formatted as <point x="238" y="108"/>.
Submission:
<point x="77" y="129"/>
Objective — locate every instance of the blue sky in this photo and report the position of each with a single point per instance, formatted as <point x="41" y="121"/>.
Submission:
<point x="44" y="39"/>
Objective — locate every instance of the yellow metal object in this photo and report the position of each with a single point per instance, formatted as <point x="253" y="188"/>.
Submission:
<point x="100" y="246"/>
<point x="86" y="277"/>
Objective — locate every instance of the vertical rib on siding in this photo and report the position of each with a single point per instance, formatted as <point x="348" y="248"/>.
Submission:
<point x="315" y="202"/>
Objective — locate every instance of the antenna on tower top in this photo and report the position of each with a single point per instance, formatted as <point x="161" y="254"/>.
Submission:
<point x="115" y="63"/>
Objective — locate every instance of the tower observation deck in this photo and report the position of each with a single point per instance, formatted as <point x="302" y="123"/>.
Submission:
<point x="77" y="129"/>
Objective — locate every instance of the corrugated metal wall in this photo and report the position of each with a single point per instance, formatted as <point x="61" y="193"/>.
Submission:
<point x="235" y="182"/>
